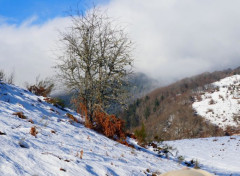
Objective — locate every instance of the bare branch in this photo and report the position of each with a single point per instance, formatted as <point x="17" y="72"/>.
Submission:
<point x="96" y="59"/>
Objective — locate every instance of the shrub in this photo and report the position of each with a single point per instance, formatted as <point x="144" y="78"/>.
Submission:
<point x="153" y="145"/>
<point x="210" y="110"/>
<point x="82" y="109"/>
<point x="33" y="131"/>
<point x="156" y="103"/>
<point x="221" y="97"/>
<point x="141" y="134"/>
<point x="236" y="118"/>
<point x="55" y="102"/>
<point x="147" y="112"/>
<point x="166" y="150"/>
<point x="70" y="116"/>
<point x="41" y="88"/>
<point x="231" y="130"/>
<point x="40" y="91"/>
<point x="109" y="125"/>
<point x="196" y="165"/>
<point x="180" y="159"/>
<point x="193" y="163"/>
<point x="106" y="124"/>
<point x="31" y="121"/>
<point x="7" y="78"/>
<point x="211" y="102"/>
<point x="20" y="115"/>
<point x="80" y="154"/>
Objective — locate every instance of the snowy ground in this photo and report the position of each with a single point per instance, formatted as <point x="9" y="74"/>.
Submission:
<point x="57" y="148"/>
<point x="219" y="155"/>
<point x="222" y="106"/>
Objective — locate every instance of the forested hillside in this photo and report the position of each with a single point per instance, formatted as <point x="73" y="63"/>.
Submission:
<point x="166" y="113"/>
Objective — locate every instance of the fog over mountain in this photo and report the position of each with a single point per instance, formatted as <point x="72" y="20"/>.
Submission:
<point x="175" y="39"/>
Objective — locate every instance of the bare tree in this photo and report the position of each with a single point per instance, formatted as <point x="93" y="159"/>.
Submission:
<point x="96" y="60"/>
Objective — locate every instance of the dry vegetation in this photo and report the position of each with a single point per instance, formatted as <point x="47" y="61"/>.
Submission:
<point x="20" y="115"/>
<point x="108" y="125"/>
<point x="33" y="131"/>
<point x="70" y="116"/>
<point x="8" y="78"/>
<point x="41" y="87"/>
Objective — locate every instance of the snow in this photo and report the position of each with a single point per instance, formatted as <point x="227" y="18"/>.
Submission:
<point x="219" y="155"/>
<point x="221" y="106"/>
<point x="59" y="153"/>
<point x="57" y="147"/>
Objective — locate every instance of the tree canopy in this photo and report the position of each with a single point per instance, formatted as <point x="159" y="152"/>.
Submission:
<point x="96" y="59"/>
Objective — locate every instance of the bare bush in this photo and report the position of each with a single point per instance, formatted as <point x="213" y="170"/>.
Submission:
<point x="41" y="87"/>
<point x="109" y="125"/>
<point x="20" y="115"/>
<point x="7" y="78"/>
<point x="221" y="97"/>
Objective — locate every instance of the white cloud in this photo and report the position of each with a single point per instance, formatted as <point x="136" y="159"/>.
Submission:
<point x="29" y="49"/>
<point x="174" y="39"/>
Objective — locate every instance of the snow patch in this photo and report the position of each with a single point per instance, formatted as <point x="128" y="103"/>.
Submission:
<point x="222" y="105"/>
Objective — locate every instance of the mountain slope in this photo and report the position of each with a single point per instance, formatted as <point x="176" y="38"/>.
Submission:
<point x="60" y="143"/>
<point x="221" y="104"/>
<point x="167" y="112"/>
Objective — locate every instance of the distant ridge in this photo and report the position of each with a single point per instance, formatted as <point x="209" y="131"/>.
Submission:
<point x="167" y="112"/>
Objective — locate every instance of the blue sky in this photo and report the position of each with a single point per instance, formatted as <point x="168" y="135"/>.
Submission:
<point x="17" y="11"/>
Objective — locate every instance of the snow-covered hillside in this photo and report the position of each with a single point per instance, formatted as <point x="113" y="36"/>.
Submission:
<point x="61" y="147"/>
<point x="221" y="105"/>
<point x="219" y="155"/>
<point x="64" y="147"/>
